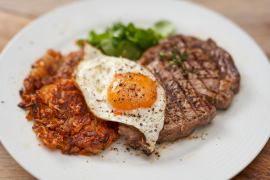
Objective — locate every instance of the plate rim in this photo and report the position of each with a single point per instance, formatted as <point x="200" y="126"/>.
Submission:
<point x="70" y="4"/>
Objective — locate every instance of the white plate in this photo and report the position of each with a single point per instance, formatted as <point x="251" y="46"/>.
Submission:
<point x="234" y="138"/>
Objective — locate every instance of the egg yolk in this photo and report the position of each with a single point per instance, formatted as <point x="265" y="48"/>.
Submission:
<point x="130" y="91"/>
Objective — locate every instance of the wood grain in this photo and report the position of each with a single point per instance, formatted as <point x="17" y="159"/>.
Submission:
<point x="10" y="24"/>
<point x="30" y="8"/>
<point x="252" y="16"/>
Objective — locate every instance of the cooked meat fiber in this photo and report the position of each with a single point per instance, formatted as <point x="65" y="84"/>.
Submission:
<point x="208" y="68"/>
<point x="198" y="77"/>
<point x="134" y="138"/>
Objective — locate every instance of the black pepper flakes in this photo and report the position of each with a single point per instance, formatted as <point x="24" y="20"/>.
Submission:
<point x="157" y="154"/>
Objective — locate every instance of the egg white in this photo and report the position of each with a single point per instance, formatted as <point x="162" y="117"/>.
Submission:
<point x="93" y="76"/>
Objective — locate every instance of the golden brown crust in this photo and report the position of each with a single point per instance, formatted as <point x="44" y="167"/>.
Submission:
<point x="61" y="117"/>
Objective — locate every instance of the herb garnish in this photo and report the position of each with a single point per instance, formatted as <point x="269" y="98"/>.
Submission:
<point x="129" y="40"/>
<point x="161" y="55"/>
<point x="177" y="58"/>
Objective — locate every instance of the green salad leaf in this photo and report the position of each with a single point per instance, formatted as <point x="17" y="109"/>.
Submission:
<point x="129" y="41"/>
<point x="164" y="28"/>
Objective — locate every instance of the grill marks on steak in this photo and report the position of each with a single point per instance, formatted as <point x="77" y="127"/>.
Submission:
<point x="210" y="69"/>
<point x="185" y="109"/>
<point x="207" y="79"/>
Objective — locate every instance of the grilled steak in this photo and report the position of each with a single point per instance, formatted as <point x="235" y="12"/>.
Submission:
<point x="208" y="68"/>
<point x="198" y="77"/>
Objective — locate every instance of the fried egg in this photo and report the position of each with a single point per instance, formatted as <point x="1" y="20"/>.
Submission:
<point x="120" y="90"/>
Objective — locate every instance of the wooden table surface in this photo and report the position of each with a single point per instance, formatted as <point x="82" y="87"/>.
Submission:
<point x="253" y="16"/>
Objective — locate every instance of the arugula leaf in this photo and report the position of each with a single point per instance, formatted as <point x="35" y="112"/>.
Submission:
<point x="109" y="46"/>
<point x="164" y="28"/>
<point x="129" y="50"/>
<point x="95" y="38"/>
<point x="128" y="40"/>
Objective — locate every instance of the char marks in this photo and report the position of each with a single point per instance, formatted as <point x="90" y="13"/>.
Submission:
<point x="186" y="109"/>
<point x="211" y="70"/>
<point x="207" y="79"/>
